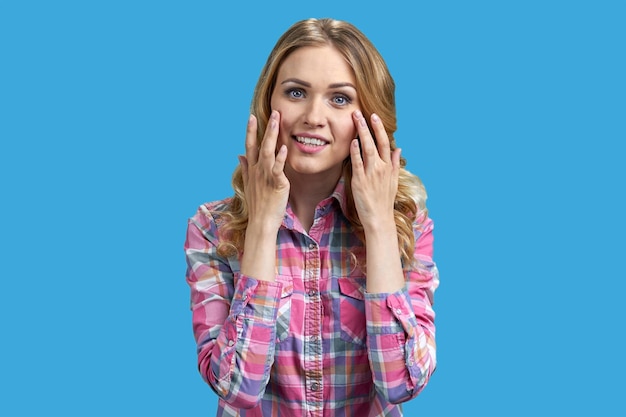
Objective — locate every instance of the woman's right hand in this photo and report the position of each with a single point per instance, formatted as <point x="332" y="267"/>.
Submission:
<point x="265" y="185"/>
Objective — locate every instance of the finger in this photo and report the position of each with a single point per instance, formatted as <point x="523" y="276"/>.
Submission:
<point x="395" y="159"/>
<point x="268" y="146"/>
<point x="281" y="157"/>
<point x="366" y="140"/>
<point x="243" y="163"/>
<point x="356" y="159"/>
<point x="382" y="139"/>
<point x="252" y="152"/>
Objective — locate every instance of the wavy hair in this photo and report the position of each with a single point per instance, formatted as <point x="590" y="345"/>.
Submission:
<point x="376" y="91"/>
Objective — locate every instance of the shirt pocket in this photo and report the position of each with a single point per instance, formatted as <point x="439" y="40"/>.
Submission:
<point x="352" y="310"/>
<point x="284" y="309"/>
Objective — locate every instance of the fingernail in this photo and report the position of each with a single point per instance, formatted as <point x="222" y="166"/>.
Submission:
<point x="358" y="114"/>
<point x="375" y="118"/>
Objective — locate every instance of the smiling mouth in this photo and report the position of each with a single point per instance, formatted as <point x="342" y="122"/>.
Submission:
<point x="309" y="141"/>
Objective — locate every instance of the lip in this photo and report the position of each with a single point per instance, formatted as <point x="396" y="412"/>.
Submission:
<point x="309" y="149"/>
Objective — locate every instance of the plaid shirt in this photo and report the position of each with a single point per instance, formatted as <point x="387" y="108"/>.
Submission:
<point x="313" y="342"/>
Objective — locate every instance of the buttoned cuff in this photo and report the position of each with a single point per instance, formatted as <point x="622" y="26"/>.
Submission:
<point x="389" y="313"/>
<point x="256" y="299"/>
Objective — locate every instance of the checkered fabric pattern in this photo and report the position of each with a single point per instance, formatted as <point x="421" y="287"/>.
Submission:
<point x="313" y="342"/>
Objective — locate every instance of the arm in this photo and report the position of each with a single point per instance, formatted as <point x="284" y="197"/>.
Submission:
<point x="401" y="327"/>
<point x="267" y="190"/>
<point x="234" y="315"/>
<point x="234" y="318"/>
<point x="374" y="188"/>
<point x="398" y="308"/>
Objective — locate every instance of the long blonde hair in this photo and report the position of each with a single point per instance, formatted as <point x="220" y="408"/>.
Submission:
<point x="376" y="90"/>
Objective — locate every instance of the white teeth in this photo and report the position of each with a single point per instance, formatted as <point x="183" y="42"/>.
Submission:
<point x="310" y="141"/>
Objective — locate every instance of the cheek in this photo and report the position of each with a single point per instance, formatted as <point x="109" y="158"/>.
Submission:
<point x="286" y="122"/>
<point x="347" y="131"/>
<point x="285" y="127"/>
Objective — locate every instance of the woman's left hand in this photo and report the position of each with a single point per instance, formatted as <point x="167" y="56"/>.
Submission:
<point x="375" y="172"/>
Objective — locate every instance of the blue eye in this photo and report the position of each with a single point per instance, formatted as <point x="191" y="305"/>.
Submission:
<point x="294" y="93"/>
<point x="341" y="100"/>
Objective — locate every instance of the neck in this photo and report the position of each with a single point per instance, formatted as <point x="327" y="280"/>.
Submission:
<point x="306" y="192"/>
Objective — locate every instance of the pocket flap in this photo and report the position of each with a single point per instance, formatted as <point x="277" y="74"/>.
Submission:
<point x="351" y="289"/>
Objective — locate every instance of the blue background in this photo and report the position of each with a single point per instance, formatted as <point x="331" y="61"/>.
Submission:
<point x="118" y="118"/>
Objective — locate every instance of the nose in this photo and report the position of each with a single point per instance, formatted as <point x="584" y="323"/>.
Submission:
<point x="315" y="114"/>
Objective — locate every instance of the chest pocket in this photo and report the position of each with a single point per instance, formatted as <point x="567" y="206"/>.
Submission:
<point x="284" y="310"/>
<point x="352" y="310"/>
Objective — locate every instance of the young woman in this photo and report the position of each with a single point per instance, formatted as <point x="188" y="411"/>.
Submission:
<point x="312" y="287"/>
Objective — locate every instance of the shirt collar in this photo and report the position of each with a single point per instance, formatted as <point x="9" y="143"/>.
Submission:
<point x="340" y="194"/>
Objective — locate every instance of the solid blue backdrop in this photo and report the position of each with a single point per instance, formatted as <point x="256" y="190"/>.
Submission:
<point x="117" y="119"/>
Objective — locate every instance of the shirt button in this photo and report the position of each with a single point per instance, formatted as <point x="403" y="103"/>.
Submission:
<point x="311" y="246"/>
<point x="398" y="311"/>
<point x="245" y="297"/>
<point x="312" y="292"/>
<point x="315" y="386"/>
<point x="231" y="342"/>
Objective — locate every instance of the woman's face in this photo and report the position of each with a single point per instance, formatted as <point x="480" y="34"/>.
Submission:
<point x="315" y="94"/>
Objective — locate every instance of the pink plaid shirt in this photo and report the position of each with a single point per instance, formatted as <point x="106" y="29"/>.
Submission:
<point x="312" y="343"/>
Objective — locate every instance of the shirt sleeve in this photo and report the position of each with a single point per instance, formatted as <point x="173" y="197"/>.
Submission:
<point x="401" y="327"/>
<point x="233" y="316"/>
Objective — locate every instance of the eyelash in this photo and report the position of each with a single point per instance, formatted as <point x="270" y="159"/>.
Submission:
<point x="291" y="91"/>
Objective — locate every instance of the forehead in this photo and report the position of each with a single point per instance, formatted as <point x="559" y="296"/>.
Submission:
<point x="316" y="64"/>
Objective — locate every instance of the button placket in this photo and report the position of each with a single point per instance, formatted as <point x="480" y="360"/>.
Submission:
<point x="312" y="327"/>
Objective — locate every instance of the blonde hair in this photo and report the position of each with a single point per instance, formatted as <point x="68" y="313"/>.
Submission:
<point x="376" y="91"/>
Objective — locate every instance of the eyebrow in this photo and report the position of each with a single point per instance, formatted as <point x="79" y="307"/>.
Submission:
<point x="306" y="84"/>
